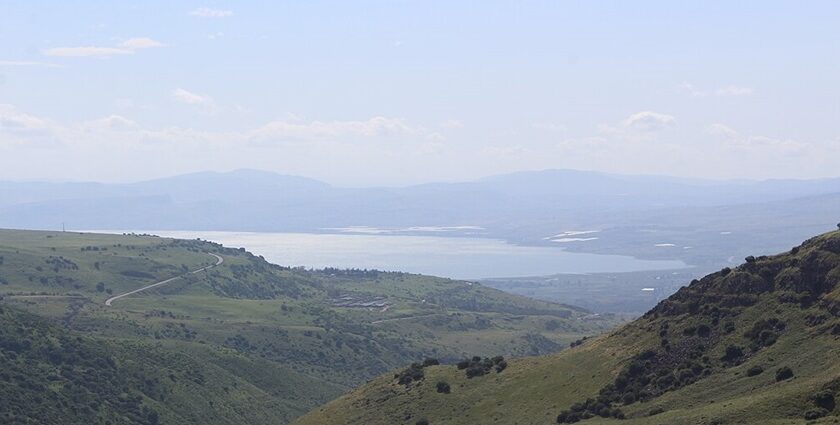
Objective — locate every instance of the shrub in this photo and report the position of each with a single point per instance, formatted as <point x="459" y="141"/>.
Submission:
<point x="815" y="414"/>
<point x="824" y="399"/>
<point x="733" y="352"/>
<point x="655" y="411"/>
<point x="784" y="373"/>
<point x="755" y="371"/>
<point x="411" y="374"/>
<point x="422" y="422"/>
<point x="443" y="387"/>
<point x="430" y="362"/>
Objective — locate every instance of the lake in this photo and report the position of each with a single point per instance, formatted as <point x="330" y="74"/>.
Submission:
<point x="454" y="257"/>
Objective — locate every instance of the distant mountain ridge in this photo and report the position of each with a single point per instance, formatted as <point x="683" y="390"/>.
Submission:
<point x="522" y="207"/>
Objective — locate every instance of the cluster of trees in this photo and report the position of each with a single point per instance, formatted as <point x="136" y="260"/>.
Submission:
<point x="93" y="248"/>
<point x="49" y="376"/>
<point x="476" y="366"/>
<point x="415" y="373"/>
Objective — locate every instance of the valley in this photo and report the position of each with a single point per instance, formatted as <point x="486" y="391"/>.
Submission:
<point x="315" y="333"/>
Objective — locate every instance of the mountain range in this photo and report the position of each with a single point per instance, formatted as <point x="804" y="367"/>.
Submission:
<point x="632" y="214"/>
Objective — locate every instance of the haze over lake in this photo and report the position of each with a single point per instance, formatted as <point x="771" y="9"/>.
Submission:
<point x="454" y="257"/>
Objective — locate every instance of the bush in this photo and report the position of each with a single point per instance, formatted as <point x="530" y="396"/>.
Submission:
<point x="733" y="352"/>
<point x="422" y="422"/>
<point x="824" y="399"/>
<point x="430" y="362"/>
<point x="784" y="373"/>
<point x="815" y="414"/>
<point x="755" y="371"/>
<point x="411" y="374"/>
<point x="655" y="411"/>
<point x="443" y="387"/>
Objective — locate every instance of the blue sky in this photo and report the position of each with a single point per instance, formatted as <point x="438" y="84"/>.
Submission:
<point x="399" y="92"/>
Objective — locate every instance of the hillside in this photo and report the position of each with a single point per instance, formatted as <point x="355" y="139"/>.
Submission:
<point x="245" y="341"/>
<point x="755" y="344"/>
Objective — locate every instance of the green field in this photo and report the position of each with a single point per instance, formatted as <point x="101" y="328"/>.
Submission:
<point x="716" y="352"/>
<point x="244" y="342"/>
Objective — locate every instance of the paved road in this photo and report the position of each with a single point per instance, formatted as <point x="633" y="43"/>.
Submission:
<point x="219" y="260"/>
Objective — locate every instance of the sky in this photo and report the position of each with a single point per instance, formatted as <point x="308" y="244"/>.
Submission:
<point x="403" y="92"/>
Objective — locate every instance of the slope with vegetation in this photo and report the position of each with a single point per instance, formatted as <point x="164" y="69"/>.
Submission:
<point x="244" y="342"/>
<point x="758" y="343"/>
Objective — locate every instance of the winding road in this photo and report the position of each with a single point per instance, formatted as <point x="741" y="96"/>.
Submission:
<point x="219" y="260"/>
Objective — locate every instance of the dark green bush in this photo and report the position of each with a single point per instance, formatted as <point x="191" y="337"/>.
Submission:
<point x="430" y="362"/>
<point x="824" y="399"/>
<point x="443" y="387"/>
<point x="784" y="373"/>
<point x="733" y="353"/>
<point x="815" y="413"/>
<point x="755" y="371"/>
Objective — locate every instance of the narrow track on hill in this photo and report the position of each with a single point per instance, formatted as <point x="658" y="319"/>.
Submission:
<point x="219" y="260"/>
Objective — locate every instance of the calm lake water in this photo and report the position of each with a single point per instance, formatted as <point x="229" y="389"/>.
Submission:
<point x="454" y="257"/>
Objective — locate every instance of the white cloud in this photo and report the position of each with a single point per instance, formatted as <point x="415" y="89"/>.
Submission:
<point x="757" y="144"/>
<point x="295" y="129"/>
<point x="721" y="130"/>
<point x="111" y="122"/>
<point x="692" y="90"/>
<point x="452" y="124"/>
<point x="730" y="90"/>
<point x="649" y="121"/>
<point x="127" y="47"/>
<point x="191" y="98"/>
<point x="15" y="121"/>
<point x="206" y="12"/>
<point x="140" y="43"/>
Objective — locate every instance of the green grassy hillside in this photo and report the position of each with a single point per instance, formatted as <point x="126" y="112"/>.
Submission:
<point x="756" y="344"/>
<point x="264" y="343"/>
